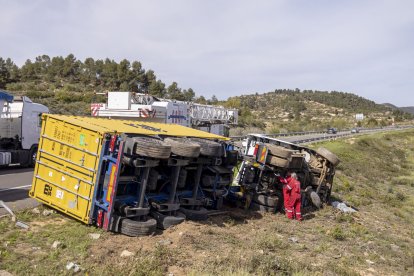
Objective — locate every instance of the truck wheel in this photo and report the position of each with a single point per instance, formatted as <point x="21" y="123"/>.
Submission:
<point x="208" y="147"/>
<point x="32" y="157"/>
<point x="183" y="147"/>
<point x="135" y="228"/>
<point x="277" y="161"/>
<point x="166" y="221"/>
<point x="332" y="158"/>
<point x="151" y="147"/>
<point x="197" y="215"/>
<point x="262" y="208"/>
<point x="316" y="200"/>
<point x="279" y="151"/>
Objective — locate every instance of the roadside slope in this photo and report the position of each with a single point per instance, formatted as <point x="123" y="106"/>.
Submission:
<point x="376" y="176"/>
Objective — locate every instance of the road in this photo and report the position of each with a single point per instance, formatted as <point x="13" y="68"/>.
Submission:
<point x="15" y="183"/>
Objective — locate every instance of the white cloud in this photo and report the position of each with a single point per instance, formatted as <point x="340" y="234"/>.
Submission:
<point x="230" y="47"/>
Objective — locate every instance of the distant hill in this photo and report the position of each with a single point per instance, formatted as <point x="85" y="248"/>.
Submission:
<point x="390" y="106"/>
<point x="309" y="110"/>
<point x="408" y="109"/>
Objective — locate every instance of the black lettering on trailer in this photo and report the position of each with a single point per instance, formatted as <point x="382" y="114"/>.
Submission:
<point x="48" y="190"/>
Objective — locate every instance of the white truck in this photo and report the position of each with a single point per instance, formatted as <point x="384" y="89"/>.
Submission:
<point x="137" y="106"/>
<point x="20" y="123"/>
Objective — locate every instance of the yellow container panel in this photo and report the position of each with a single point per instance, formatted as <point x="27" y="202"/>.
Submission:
<point x="62" y="199"/>
<point x="66" y="167"/>
<point x="104" y="125"/>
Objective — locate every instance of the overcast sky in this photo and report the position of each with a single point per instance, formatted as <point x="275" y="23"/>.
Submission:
<point x="230" y="48"/>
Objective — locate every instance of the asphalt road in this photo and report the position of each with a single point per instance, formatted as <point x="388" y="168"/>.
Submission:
<point x="15" y="183"/>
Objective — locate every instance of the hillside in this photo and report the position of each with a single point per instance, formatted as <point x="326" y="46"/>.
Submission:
<point x="67" y="86"/>
<point x="309" y="110"/>
<point x="408" y="109"/>
<point x="375" y="176"/>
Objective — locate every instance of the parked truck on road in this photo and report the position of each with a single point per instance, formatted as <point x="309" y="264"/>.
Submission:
<point x="20" y="121"/>
<point x="143" y="107"/>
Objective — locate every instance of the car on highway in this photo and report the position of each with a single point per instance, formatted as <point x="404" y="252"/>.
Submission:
<point x="332" y="130"/>
<point x="355" y="130"/>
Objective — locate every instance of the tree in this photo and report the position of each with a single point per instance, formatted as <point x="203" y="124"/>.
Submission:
<point x="201" y="100"/>
<point x="14" y="71"/>
<point x="214" y="99"/>
<point x="89" y="74"/>
<point x="189" y="95"/>
<point x="71" y="68"/>
<point x="174" y="92"/>
<point x="124" y="75"/>
<point x="4" y="74"/>
<point x="28" y="71"/>
<point x="157" y="89"/>
<point x="55" y="72"/>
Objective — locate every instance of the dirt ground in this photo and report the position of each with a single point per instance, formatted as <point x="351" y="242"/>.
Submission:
<point x="376" y="240"/>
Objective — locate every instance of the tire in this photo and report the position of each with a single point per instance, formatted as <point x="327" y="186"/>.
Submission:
<point x="149" y="147"/>
<point x="277" y="161"/>
<point x="208" y="147"/>
<point x="262" y="208"/>
<point x="166" y="221"/>
<point x="32" y="157"/>
<point x="197" y="215"/>
<point x="332" y="158"/>
<point x="316" y="200"/>
<point x="183" y="147"/>
<point x="279" y="151"/>
<point x="134" y="228"/>
<point x="271" y="201"/>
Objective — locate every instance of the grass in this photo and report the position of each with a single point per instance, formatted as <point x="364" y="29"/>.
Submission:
<point x="375" y="176"/>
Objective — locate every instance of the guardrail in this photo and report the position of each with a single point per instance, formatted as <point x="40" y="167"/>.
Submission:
<point x="327" y="137"/>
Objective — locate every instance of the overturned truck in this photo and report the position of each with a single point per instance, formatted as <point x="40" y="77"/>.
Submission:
<point x="130" y="177"/>
<point x="257" y="182"/>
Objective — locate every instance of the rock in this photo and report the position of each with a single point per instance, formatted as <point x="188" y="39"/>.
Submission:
<point x="127" y="253"/>
<point x="73" y="266"/>
<point x="394" y="247"/>
<point x="164" y="242"/>
<point x="48" y="212"/>
<point x="56" y="244"/>
<point x="293" y="239"/>
<point x="36" y="211"/>
<point x="5" y="273"/>
<point x="181" y="233"/>
<point x="261" y="251"/>
<point x="94" y="236"/>
<point x="369" y="262"/>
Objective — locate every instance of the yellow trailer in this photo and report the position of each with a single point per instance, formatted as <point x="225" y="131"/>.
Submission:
<point x="80" y="159"/>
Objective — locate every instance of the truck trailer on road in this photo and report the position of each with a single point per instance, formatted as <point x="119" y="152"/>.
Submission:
<point x="20" y="121"/>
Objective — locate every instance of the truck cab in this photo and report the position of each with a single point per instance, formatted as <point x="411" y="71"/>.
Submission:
<point x="20" y="123"/>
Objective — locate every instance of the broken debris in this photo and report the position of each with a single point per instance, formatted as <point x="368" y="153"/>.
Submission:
<point x="127" y="253"/>
<point x="73" y="266"/>
<point x="343" y="207"/>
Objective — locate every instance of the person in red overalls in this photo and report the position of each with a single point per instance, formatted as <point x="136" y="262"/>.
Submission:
<point x="291" y="196"/>
<point x="285" y="190"/>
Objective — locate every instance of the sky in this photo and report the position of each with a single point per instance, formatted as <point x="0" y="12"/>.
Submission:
<point x="228" y="47"/>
